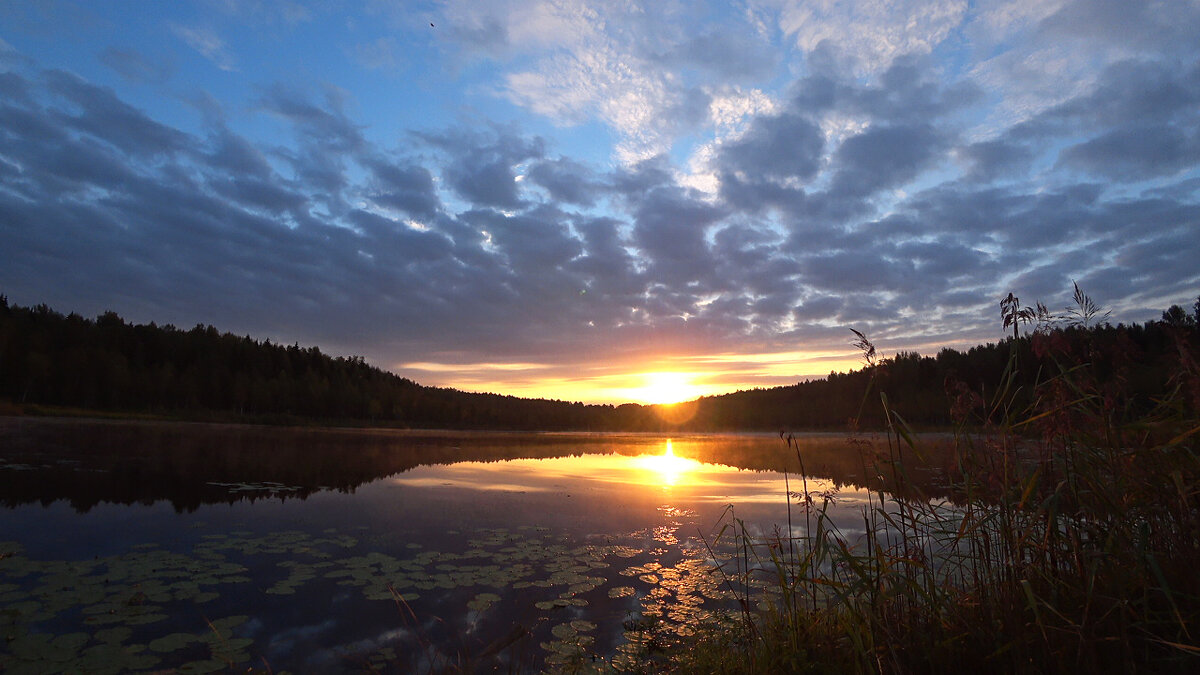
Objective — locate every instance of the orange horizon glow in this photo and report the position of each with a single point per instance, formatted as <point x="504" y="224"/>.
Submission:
<point x="663" y="380"/>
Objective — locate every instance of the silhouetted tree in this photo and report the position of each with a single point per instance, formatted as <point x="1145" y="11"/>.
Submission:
<point x="1178" y="317"/>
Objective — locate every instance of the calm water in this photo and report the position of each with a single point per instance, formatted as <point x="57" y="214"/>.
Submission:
<point x="151" y="546"/>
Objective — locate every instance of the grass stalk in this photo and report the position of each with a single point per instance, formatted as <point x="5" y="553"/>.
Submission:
<point x="1072" y="546"/>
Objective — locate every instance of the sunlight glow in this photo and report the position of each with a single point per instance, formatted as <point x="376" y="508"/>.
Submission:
<point x="597" y="479"/>
<point x="667" y="387"/>
<point x="664" y="379"/>
<point x="670" y="469"/>
<point x="432" y="367"/>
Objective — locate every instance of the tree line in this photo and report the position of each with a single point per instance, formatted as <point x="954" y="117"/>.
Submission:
<point x="109" y="364"/>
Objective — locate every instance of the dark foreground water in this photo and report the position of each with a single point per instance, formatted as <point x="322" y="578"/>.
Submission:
<point x="204" y="548"/>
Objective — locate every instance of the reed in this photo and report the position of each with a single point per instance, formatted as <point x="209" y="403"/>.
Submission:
<point x="1072" y="545"/>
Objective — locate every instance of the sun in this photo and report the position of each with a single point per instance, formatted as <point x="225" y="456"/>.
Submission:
<point x="667" y="387"/>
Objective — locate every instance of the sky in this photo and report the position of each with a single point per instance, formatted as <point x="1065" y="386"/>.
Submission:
<point x="600" y="201"/>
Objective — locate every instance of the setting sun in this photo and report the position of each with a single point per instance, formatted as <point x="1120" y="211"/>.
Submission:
<point x="667" y="387"/>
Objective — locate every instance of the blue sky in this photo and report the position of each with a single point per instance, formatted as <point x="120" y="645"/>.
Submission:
<point x="561" y="198"/>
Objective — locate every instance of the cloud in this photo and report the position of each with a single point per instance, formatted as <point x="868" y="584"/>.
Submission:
<point x="384" y="53"/>
<point x="634" y="67"/>
<point x="807" y="162"/>
<point x="566" y="181"/>
<point x="600" y="82"/>
<point x="1120" y="25"/>
<point x="642" y="178"/>
<point x="98" y="112"/>
<point x="1042" y="54"/>
<point x="883" y="157"/>
<point x="608" y="267"/>
<point x="1125" y="92"/>
<point x="1137" y="122"/>
<point x="992" y="160"/>
<point x="208" y="44"/>
<point x="134" y="67"/>
<point x="535" y="245"/>
<point x="266" y="12"/>
<point x="855" y="271"/>
<point x="326" y="138"/>
<point x="1135" y="152"/>
<point x="818" y="308"/>
<point x="778" y="147"/>
<point x="324" y="124"/>
<point x="670" y="230"/>
<point x="408" y="187"/>
<point x="231" y="152"/>
<point x="731" y="107"/>
<point x="399" y="244"/>
<point x="870" y="33"/>
<point x="832" y="196"/>
<point x="482" y="166"/>
<point x="728" y="56"/>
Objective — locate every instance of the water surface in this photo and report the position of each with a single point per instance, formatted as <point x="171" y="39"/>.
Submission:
<point x="142" y="546"/>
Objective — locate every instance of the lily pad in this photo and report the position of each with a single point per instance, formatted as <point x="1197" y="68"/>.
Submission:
<point x="172" y="642"/>
<point x="200" y="667"/>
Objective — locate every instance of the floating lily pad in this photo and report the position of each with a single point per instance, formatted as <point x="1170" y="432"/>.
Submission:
<point x="620" y="592"/>
<point x="200" y="667"/>
<point x="145" y="619"/>
<point x="172" y="642"/>
<point x="229" y="646"/>
<point x="111" y="658"/>
<point x="378" y="594"/>
<point x="228" y="623"/>
<point x="483" y="601"/>
<point x="563" y="631"/>
<point x="113" y="635"/>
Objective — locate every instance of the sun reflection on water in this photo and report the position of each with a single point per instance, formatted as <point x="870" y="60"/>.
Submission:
<point x="668" y="468"/>
<point x="595" y="474"/>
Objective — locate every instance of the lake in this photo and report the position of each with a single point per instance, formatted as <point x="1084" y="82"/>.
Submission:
<point x="147" y="546"/>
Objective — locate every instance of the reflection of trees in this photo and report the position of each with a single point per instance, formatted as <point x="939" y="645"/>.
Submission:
<point x="89" y="462"/>
<point x="863" y="462"/>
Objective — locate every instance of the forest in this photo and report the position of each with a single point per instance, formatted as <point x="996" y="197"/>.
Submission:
<point x="51" y="363"/>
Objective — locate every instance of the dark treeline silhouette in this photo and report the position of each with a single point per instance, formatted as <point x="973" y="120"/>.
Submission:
<point x="108" y="364"/>
<point x="1138" y="360"/>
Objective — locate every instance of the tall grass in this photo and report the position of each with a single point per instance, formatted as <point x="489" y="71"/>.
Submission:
<point x="1073" y="544"/>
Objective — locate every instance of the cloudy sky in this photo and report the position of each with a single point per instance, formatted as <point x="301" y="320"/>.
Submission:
<point x="556" y="198"/>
